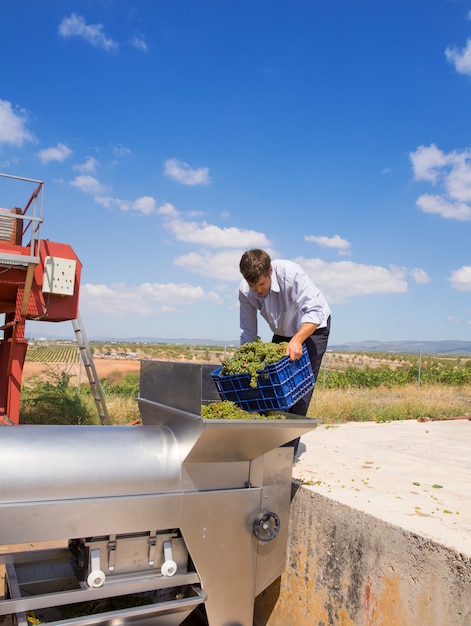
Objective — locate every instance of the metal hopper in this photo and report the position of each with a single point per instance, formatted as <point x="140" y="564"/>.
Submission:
<point x="188" y="514"/>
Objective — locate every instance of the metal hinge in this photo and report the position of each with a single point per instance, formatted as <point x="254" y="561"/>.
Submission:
<point x="112" y="545"/>
<point x="152" y="543"/>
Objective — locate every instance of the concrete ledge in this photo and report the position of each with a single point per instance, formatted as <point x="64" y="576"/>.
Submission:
<point x="382" y="535"/>
<point x="347" y="568"/>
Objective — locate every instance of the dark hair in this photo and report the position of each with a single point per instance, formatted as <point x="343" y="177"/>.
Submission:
<point x="254" y="265"/>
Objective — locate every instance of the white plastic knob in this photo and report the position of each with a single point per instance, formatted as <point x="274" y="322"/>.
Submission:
<point x="169" y="568"/>
<point x="96" y="578"/>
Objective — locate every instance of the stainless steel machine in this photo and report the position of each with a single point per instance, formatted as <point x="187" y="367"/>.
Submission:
<point x="146" y="525"/>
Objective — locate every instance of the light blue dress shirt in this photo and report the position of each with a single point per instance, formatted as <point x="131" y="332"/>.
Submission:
<point x="292" y="300"/>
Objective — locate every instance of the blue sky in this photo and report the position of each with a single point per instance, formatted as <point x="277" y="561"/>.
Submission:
<point x="174" y="135"/>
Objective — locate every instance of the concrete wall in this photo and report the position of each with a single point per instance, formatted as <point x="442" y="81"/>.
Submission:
<point x="347" y="568"/>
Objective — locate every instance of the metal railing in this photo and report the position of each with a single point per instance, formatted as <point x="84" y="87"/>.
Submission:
<point x="18" y="222"/>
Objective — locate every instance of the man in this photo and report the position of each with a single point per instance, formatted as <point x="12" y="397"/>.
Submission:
<point x="294" y="308"/>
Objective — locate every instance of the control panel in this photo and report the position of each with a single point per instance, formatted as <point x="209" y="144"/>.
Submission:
<point x="59" y="276"/>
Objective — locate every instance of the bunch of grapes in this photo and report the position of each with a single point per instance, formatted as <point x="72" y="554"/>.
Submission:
<point x="253" y="357"/>
<point x="227" y="410"/>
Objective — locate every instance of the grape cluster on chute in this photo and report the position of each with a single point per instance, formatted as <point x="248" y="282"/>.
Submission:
<point x="227" y="410"/>
<point x="253" y="357"/>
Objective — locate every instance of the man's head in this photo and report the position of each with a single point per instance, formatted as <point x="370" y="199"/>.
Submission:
<point x="255" y="267"/>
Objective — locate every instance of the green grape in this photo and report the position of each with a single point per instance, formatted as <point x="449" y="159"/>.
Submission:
<point x="227" y="410"/>
<point x="251" y="358"/>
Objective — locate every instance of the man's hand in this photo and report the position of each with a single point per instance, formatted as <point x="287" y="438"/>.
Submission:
<point x="294" y="349"/>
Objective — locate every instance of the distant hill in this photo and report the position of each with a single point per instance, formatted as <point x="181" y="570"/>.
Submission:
<point x="171" y="341"/>
<point x="456" y="348"/>
<point x="180" y="341"/>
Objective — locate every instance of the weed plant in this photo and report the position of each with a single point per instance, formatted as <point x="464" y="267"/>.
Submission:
<point x="53" y="401"/>
<point x="120" y="395"/>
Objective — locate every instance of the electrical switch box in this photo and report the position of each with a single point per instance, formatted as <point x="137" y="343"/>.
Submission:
<point x="59" y="276"/>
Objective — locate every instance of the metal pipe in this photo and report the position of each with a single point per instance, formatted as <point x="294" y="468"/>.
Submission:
<point x="39" y="463"/>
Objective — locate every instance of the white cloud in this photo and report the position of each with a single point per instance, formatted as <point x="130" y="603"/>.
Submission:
<point x="120" y="300"/>
<point x="223" y="265"/>
<point x="461" y="279"/>
<point x="337" y="242"/>
<point x="460" y="58"/>
<point x="458" y="182"/>
<point x="343" y="280"/>
<point x="185" y="174"/>
<point x="168" y="210"/>
<point x="75" y="26"/>
<point x="139" y="42"/>
<point x="120" y="151"/>
<point x="176" y="294"/>
<point x="107" y="201"/>
<point x="420" y="276"/>
<point x="13" y="122"/>
<point x="426" y="162"/>
<point x="209" y="235"/>
<point x="60" y="154"/>
<point x="451" y="173"/>
<point x="215" y="236"/>
<point x="88" y="167"/>
<point x="89" y="184"/>
<point x="339" y="281"/>
<point x="439" y="205"/>
<point x="145" y="205"/>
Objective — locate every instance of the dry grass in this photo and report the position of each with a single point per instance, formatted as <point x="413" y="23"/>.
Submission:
<point x="334" y="406"/>
<point x="381" y="404"/>
<point x="330" y="405"/>
<point x="123" y="411"/>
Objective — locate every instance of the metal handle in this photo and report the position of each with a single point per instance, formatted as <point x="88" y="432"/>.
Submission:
<point x="266" y="526"/>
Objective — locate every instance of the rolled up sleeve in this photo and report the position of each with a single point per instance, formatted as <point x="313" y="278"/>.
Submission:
<point x="311" y="303"/>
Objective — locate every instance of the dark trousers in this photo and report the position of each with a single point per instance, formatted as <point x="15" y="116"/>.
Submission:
<point x="316" y="345"/>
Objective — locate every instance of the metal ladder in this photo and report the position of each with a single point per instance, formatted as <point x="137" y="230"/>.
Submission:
<point x="87" y="360"/>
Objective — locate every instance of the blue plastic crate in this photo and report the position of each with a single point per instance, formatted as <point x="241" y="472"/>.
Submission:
<point x="279" y="386"/>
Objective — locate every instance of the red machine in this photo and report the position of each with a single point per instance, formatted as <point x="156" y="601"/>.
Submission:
<point x="39" y="280"/>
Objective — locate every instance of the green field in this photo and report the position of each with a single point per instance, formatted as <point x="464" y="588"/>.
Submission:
<point x="53" y="354"/>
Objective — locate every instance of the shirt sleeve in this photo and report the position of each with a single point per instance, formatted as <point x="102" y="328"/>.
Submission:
<point x="248" y="320"/>
<point x="310" y="301"/>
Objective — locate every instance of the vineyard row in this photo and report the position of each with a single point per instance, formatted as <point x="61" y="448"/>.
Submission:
<point x="66" y="354"/>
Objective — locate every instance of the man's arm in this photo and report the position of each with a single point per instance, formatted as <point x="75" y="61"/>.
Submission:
<point x="294" y="349"/>
<point x="248" y="320"/>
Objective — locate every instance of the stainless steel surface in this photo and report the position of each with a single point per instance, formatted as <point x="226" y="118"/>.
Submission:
<point x="270" y="472"/>
<point x="210" y="441"/>
<point x="40" y="463"/>
<point x="59" y="585"/>
<point x="170" y="505"/>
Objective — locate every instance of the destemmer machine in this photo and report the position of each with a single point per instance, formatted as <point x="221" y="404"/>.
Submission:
<point x="146" y="525"/>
